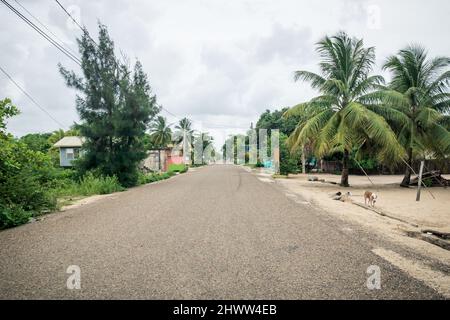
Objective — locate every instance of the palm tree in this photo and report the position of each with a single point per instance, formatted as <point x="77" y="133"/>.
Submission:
<point x="184" y="124"/>
<point x="342" y="118"/>
<point x="420" y="90"/>
<point x="161" y="135"/>
<point x="183" y="135"/>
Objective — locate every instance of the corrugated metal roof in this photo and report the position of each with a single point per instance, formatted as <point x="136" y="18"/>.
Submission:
<point x="68" y="142"/>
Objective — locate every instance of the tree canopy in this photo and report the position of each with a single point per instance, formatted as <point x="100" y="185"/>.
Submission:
<point x="343" y="117"/>
<point x="115" y="105"/>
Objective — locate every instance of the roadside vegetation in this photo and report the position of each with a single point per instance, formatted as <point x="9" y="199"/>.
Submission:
<point x="116" y="108"/>
<point x="361" y="121"/>
<point x="32" y="183"/>
<point x="356" y="118"/>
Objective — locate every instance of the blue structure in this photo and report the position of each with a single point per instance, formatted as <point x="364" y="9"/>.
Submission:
<point x="69" y="150"/>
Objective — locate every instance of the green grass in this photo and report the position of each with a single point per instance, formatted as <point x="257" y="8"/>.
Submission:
<point x="88" y="185"/>
<point x="177" y="168"/>
<point x="91" y="185"/>
<point x="61" y="190"/>
<point x="154" y="177"/>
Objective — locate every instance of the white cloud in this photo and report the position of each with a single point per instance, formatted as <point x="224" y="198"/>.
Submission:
<point x="219" y="62"/>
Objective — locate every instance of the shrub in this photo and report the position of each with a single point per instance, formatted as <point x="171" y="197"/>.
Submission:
<point x="259" y="164"/>
<point x="165" y="175"/>
<point x="154" y="177"/>
<point x="91" y="184"/>
<point x="142" y="178"/>
<point x="13" y="215"/>
<point x="25" y="177"/>
<point x="288" y="161"/>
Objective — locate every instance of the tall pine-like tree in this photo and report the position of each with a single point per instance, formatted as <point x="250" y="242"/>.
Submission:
<point x="115" y="106"/>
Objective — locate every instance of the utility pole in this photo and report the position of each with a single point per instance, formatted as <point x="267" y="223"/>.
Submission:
<point x="419" y="185"/>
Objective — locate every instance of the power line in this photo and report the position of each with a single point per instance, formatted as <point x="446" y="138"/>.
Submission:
<point x="70" y="16"/>
<point x="84" y="29"/>
<point x="43" y="34"/>
<point x="170" y="113"/>
<point x="67" y="51"/>
<point x="46" y="28"/>
<point x="31" y="98"/>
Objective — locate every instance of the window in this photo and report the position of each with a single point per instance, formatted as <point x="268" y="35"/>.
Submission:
<point x="70" y="155"/>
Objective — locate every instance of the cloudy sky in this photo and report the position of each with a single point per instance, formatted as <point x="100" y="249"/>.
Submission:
<point x="219" y="62"/>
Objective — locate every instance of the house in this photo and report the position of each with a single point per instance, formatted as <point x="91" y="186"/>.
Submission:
<point x="167" y="156"/>
<point x="69" y="150"/>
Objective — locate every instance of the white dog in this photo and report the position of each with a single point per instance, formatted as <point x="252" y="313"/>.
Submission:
<point x="371" y="198"/>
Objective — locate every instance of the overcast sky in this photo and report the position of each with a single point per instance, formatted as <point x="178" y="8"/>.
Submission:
<point x="219" y="62"/>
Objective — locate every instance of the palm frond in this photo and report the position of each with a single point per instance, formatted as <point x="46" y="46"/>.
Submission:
<point x="311" y="128"/>
<point x="376" y="129"/>
<point x="316" y="80"/>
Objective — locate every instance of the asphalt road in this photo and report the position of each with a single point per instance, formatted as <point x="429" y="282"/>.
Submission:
<point x="215" y="233"/>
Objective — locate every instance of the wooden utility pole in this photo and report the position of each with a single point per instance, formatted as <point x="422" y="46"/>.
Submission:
<point x="419" y="185"/>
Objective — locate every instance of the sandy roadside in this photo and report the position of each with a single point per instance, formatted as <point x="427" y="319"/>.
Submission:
<point x="432" y="212"/>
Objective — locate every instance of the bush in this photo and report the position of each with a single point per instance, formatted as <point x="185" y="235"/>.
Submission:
<point x="288" y="161"/>
<point x="259" y="164"/>
<point x="13" y="215"/>
<point x="30" y="183"/>
<point x="91" y="184"/>
<point x="154" y="177"/>
<point x="176" y="167"/>
<point x="25" y="177"/>
<point x="142" y="178"/>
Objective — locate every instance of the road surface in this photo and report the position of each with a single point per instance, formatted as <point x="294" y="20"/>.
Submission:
<point x="217" y="232"/>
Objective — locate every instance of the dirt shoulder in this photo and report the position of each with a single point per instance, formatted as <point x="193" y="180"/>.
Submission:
<point x="432" y="212"/>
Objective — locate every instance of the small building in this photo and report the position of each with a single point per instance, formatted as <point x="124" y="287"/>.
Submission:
<point x="166" y="156"/>
<point x="69" y="150"/>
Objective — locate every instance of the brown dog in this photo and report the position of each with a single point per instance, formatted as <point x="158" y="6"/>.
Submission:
<point x="371" y="198"/>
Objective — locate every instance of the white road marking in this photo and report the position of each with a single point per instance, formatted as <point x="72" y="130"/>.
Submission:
<point x="435" y="279"/>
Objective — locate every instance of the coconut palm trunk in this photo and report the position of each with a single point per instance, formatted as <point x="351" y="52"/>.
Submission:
<point x="303" y="159"/>
<point x="344" y="175"/>
<point x="407" y="177"/>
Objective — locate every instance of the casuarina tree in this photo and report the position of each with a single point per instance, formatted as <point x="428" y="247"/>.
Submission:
<point x="115" y="105"/>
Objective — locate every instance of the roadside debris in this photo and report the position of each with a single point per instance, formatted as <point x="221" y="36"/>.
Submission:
<point x="339" y="196"/>
<point x="431" y="179"/>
